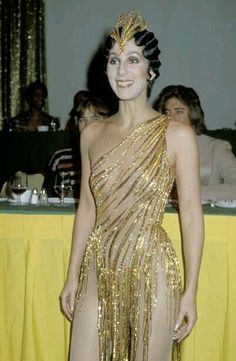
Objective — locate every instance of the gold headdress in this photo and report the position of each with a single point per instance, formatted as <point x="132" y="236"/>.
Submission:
<point x="129" y="23"/>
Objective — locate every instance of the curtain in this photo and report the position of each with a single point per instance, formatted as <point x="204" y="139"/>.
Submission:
<point x="22" y="56"/>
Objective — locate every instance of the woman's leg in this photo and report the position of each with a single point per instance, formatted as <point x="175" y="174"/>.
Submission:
<point x="84" y="338"/>
<point x="160" y="341"/>
<point x="161" y="326"/>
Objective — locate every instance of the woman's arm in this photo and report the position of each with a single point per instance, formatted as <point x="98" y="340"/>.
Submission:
<point x="83" y="225"/>
<point x="188" y="186"/>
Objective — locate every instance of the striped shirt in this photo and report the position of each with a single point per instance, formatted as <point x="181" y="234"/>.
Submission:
<point x="66" y="160"/>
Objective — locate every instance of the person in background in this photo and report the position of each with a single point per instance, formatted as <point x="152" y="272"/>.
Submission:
<point x="123" y="288"/>
<point x="217" y="161"/>
<point x="35" y="96"/>
<point x="72" y="122"/>
<point x="86" y="109"/>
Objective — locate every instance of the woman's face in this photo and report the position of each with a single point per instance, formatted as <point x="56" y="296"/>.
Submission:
<point x="127" y="71"/>
<point x="177" y="110"/>
<point x="88" y="116"/>
<point x="37" y="100"/>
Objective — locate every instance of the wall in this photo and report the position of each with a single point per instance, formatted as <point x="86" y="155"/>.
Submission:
<point x="196" y="38"/>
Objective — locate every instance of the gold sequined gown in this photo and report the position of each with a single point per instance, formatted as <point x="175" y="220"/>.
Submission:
<point x="129" y="283"/>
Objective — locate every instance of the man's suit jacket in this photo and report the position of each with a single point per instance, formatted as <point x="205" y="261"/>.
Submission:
<point x="217" y="168"/>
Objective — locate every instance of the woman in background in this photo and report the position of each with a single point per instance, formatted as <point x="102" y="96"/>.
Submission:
<point x="217" y="162"/>
<point x="86" y="110"/>
<point x="35" y="95"/>
<point x="72" y="122"/>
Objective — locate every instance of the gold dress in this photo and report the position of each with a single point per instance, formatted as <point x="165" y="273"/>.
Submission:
<point x="129" y="285"/>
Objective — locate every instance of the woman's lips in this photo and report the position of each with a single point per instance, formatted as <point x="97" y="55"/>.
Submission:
<point x="124" y="83"/>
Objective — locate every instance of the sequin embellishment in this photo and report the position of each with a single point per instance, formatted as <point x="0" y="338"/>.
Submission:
<point x="128" y="248"/>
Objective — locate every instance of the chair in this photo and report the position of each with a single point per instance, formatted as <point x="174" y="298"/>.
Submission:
<point x="6" y="190"/>
<point x="35" y="181"/>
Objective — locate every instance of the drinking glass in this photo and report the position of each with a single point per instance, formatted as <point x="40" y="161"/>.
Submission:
<point x="62" y="185"/>
<point x="19" y="185"/>
<point x="55" y="124"/>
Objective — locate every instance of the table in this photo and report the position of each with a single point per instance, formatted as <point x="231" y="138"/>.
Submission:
<point x="29" y="151"/>
<point x="34" y="248"/>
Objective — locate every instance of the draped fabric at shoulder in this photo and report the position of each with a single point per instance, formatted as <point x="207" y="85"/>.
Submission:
<point x="130" y="252"/>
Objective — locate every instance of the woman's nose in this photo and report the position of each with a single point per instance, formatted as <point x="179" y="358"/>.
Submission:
<point x="122" y="68"/>
<point x="173" y="114"/>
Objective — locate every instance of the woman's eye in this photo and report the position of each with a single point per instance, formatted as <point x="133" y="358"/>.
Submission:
<point x="95" y="117"/>
<point x="133" y="60"/>
<point x="114" y="61"/>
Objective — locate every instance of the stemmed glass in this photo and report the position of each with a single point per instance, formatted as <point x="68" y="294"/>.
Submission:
<point x="19" y="185"/>
<point x="54" y="124"/>
<point x="62" y="185"/>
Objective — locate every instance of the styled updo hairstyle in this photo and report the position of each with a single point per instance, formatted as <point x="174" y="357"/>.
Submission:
<point x="188" y="97"/>
<point x="150" y="52"/>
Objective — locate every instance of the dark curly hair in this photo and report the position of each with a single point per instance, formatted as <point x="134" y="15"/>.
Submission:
<point x="190" y="98"/>
<point x="34" y="86"/>
<point x="150" y="52"/>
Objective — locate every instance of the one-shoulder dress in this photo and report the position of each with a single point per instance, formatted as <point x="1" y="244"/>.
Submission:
<point x="130" y="283"/>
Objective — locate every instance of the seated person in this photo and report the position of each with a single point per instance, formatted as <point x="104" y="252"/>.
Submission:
<point x="72" y="123"/>
<point x="217" y="162"/>
<point x="35" y="95"/>
<point x="68" y="160"/>
<point x="86" y="109"/>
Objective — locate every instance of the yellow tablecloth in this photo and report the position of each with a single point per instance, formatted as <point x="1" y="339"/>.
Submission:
<point x="34" y="251"/>
<point x="214" y="336"/>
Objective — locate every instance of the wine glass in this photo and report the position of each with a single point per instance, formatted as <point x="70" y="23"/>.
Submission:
<point x="62" y="185"/>
<point x="19" y="185"/>
<point x="54" y="124"/>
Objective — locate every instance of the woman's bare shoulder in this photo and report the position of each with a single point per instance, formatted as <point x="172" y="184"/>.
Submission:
<point x="178" y="132"/>
<point x="180" y="139"/>
<point x="94" y="131"/>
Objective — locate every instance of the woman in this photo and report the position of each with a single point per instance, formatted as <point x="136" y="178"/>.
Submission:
<point x="126" y="304"/>
<point x="35" y="95"/>
<point x="72" y="123"/>
<point x="217" y="162"/>
<point x="87" y="110"/>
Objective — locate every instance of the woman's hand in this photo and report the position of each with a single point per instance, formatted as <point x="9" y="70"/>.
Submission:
<point x="67" y="298"/>
<point x="186" y="318"/>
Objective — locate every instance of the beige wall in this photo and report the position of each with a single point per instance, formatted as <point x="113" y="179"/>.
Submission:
<point x="196" y="37"/>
